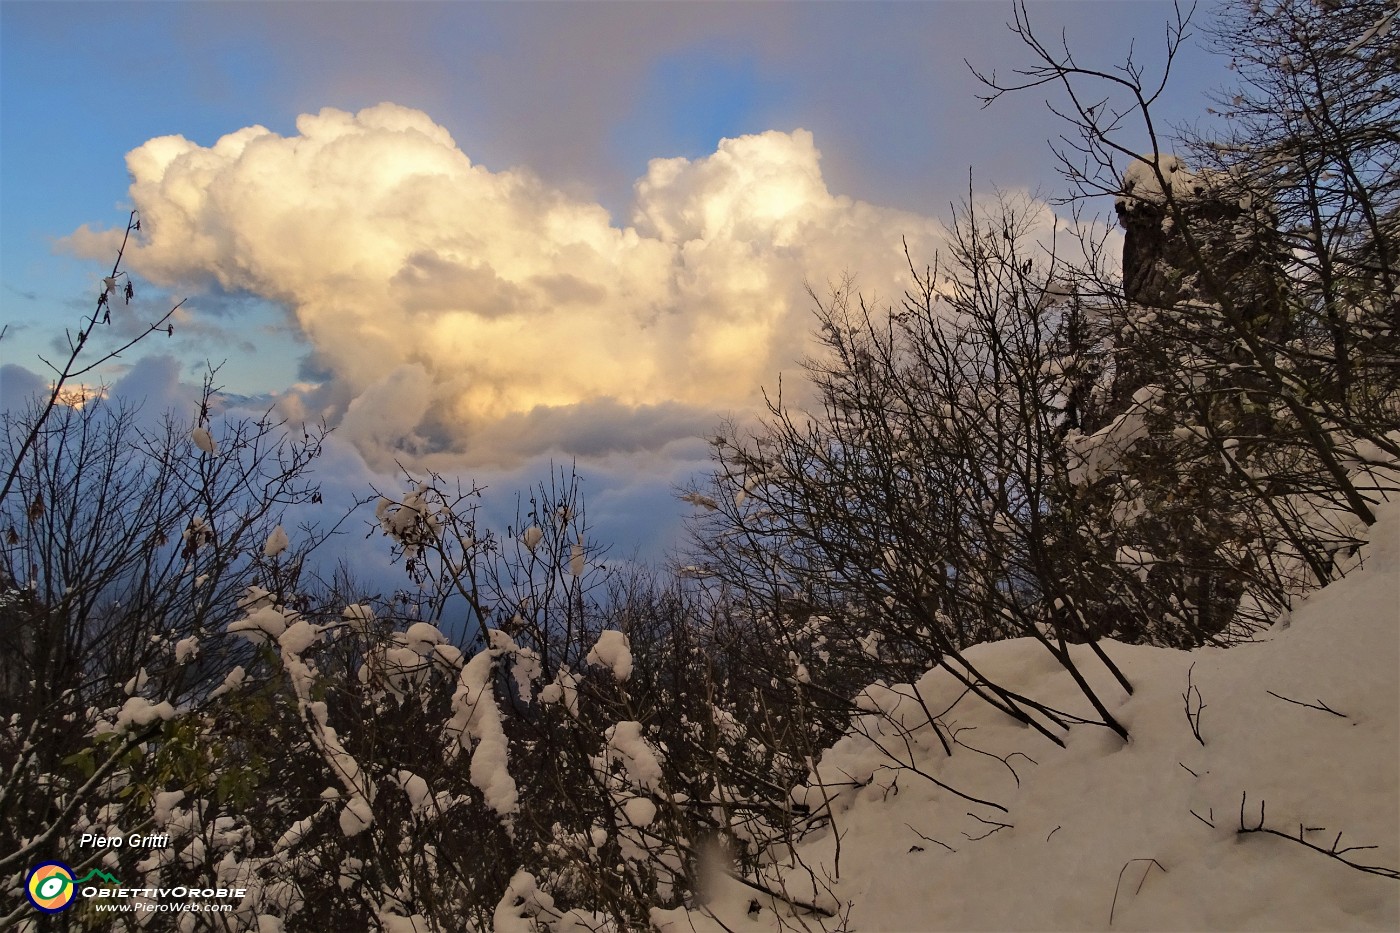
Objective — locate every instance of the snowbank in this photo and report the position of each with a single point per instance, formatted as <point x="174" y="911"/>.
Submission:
<point x="1298" y="735"/>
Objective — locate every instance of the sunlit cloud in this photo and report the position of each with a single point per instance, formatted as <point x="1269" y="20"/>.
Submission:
<point x="77" y="395"/>
<point x="482" y="316"/>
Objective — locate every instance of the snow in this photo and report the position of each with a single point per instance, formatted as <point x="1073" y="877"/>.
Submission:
<point x="259" y="625"/>
<point x="393" y="923"/>
<point x="701" y="501"/>
<point x="356" y="817"/>
<point x="638" y="759"/>
<point x="413" y="522"/>
<point x="197" y="534"/>
<point x="137" y="683"/>
<point x="1141" y="184"/>
<point x="295" y="834"/>
<point x="186" y="650"/>
<point x="1143" y="835"/>
<point x="423" y="636"/>
<point x="420" y="798"/>
<point x="276" y="542"/>
<point x="203" y="440"/>
<point x="263" y="620"/>
<point x="299" y="636"/>
<point x="563" y="689"/>
<point x="1379" y="29"/>
<point x="1136" y="559"/>
<point x="163" y="805"/>
<point x="523" y="899"/>
<point x="359" y="617"/>
<point x="1095" y="455"/>
<point x="139" y="711"/>
<point x="476" y="716"/>
<point x="1248" y="769"/>
<point x="614" y="652"/>
<point x="870" y="644"/>
<point x="639" y="811"/>
<point x="232" y="681"/>
<point x="449" y="656"/>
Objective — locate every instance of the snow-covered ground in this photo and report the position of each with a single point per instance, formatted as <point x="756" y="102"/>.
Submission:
<point x="1299" y="734"/>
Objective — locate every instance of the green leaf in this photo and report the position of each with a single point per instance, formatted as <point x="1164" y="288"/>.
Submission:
<point x="83" y="762"/>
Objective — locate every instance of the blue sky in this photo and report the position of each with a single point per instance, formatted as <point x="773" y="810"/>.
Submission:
<point x="538" y="116"/>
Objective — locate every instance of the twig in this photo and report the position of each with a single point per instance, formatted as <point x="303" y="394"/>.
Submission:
<point x="71" y="370"/>
<point x="1130" y="861"/>
<point x="1319" y="706"/>
<point x="1333" y="851"/>
<point x="996" y="827"/>
<point x="1193" y="717"/>
<point x="930" y="839"/>
<point x="1004" y="760"/>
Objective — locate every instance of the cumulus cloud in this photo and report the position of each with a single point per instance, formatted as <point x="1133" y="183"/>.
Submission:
<point x="386" y="414"/>
<point x="485" y="315"/>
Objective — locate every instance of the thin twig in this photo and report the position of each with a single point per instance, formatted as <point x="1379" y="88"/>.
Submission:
<point x="1114" y="905"/>
<point x="1319" y="706"/>
<point x="931" y="839"/>
<point x="996" y="827"/>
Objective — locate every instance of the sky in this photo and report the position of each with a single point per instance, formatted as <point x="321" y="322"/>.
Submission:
<point x="487" y="237"/>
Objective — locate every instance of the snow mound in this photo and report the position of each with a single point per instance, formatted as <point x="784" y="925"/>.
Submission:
<point x="1283" y="814"/>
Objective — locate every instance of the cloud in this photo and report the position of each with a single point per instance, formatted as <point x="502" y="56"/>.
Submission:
<point x="488" y="317"/>
<point x="386" y="415"/>
<point x="19" y="388"/>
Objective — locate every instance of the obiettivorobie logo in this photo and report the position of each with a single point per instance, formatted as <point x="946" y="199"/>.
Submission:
<point x="51" y="886"/>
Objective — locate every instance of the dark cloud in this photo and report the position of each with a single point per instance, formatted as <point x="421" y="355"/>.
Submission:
<point x="593" y="430"/>
<point x="18" y="386"/>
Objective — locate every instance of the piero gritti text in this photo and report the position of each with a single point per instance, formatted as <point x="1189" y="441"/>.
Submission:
<point x="133" y="841"/>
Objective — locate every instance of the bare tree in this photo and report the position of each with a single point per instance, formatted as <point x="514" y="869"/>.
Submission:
<point x="915" y="513"/>
<point x="1257" y="310"/>
<point x="125" y="552"/>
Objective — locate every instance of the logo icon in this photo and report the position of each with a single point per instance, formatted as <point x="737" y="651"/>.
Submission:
<point x="50" y="887"/>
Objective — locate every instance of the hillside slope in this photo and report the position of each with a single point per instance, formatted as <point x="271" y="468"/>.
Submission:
<point x="1137" y="836"/>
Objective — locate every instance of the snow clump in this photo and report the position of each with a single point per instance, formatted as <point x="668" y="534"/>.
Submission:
<point x="203" y="440"/>
<point x="475" y="716"/>
<point x="276" y="542"/>
<point x="614" y="652"/>
<point x="627" y="747"/>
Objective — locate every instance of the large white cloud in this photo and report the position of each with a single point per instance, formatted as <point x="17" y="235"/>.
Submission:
<point x="474" y="313"/>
